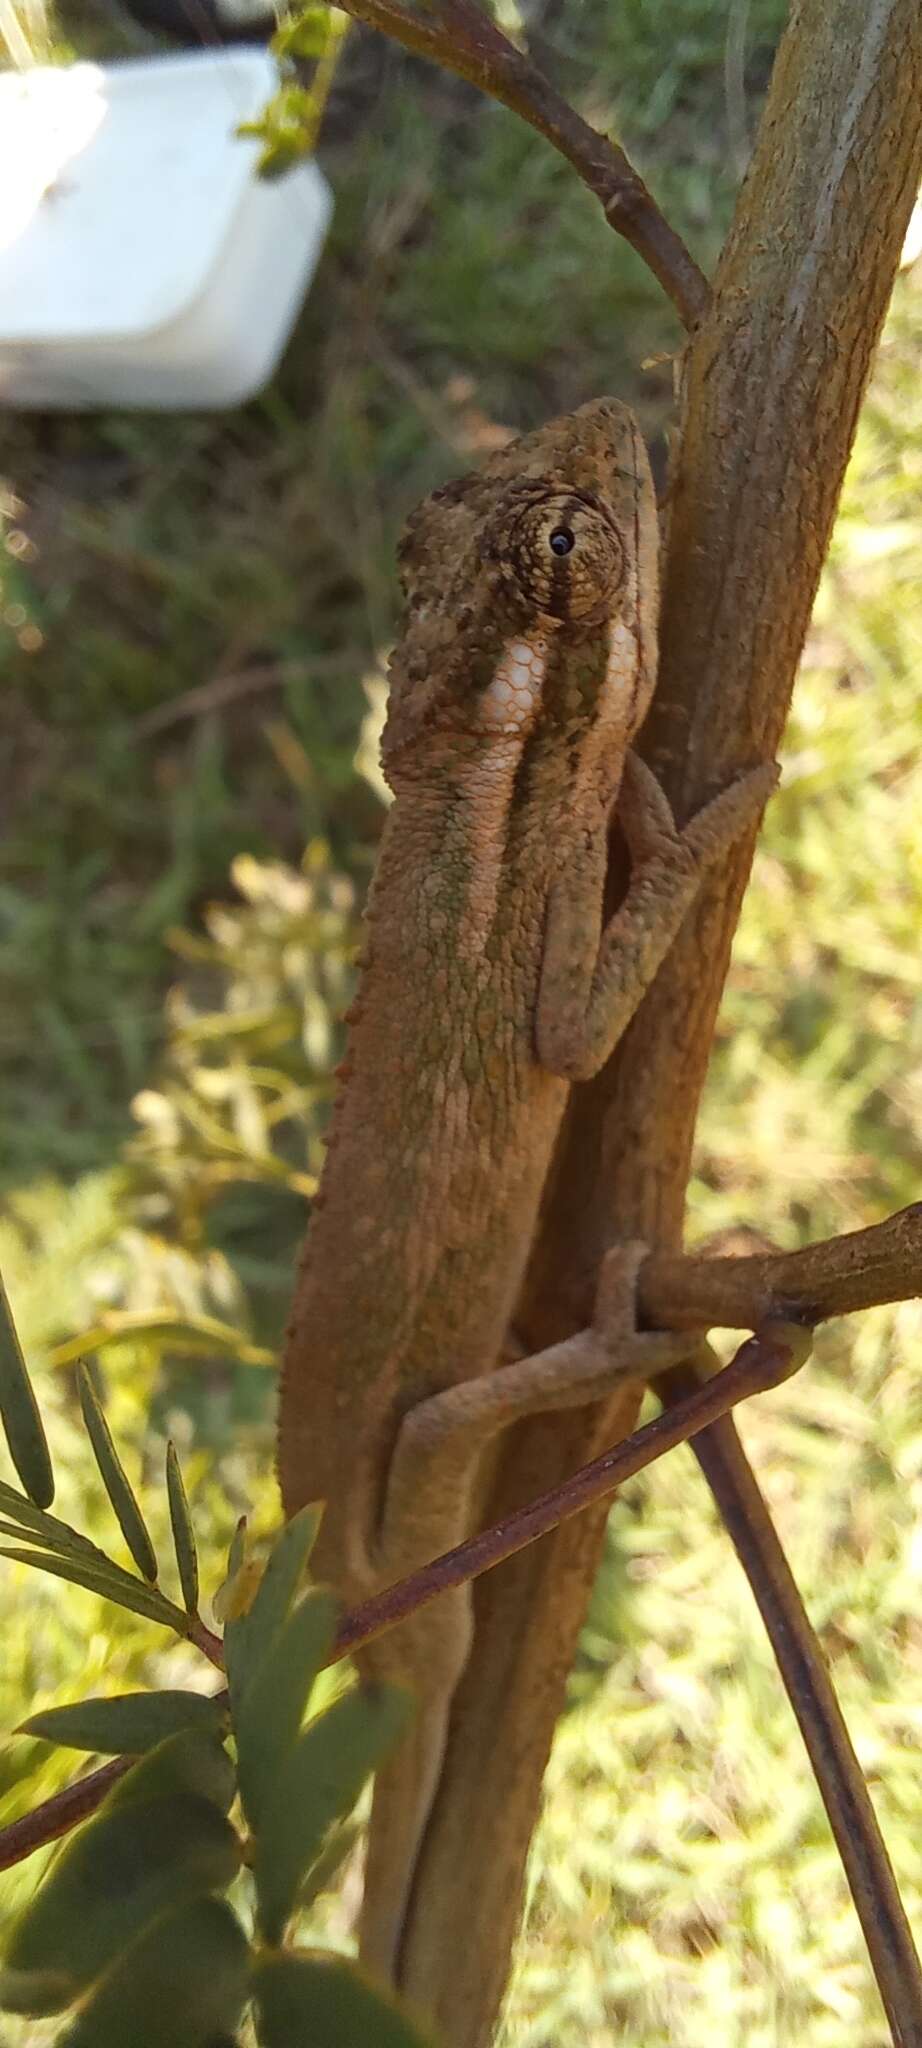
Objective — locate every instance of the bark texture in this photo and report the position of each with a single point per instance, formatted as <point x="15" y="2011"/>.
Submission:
<point x="774" y="379"/>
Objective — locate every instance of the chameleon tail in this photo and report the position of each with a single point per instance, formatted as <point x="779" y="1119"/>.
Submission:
<point x="404" y="1790"/>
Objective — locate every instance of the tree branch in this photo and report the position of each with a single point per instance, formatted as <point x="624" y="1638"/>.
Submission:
<point x="774" y="377"/>
<point x="57" y="1815"/>
<point x="761" y="1362"/>
<point x="860" y="1269"/>
<point x="819" y="1717"/>
<point x="696" y="1409"/>
<point x="471" y="46"/>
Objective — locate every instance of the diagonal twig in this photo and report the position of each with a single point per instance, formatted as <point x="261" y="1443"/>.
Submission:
<point x="761" y="1362"/>
<point x="464" y="41"/>
<point x="809" y="1688"/>
<point x="695" y="1409"/>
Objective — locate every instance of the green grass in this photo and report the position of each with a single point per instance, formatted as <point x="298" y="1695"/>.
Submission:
<point x="469" y="279"/>
<point x="684" y="1887"/>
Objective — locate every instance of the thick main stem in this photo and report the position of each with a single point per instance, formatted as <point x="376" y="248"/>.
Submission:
<point x="774" y="381"/>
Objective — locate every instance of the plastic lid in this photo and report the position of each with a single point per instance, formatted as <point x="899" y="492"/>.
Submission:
<point x="118" y="188"/>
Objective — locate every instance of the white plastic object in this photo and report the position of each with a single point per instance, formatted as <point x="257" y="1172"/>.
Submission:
<point x="142" y="262"/>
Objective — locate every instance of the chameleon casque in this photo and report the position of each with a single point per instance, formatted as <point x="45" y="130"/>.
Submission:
<point x="488" y="986"/>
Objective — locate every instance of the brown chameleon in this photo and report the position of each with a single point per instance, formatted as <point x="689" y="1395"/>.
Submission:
<point x="525" y="667"/>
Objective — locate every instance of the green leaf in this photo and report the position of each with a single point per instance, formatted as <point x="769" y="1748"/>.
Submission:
<point x="161" y="1326"/>
<point x="126" y="1867"/>
<point x="127" y="1592"/>
<point x="268" y="1718"/>
<point x="326" y="2000"/>
<point x="54" y="1534"/>
<point x="127" y="1512"/>
<point x="193" y="1763"/>
<point x="308" y="34"/>
<point x="247" y="1639"/>
<point x="45" y="1535"/>
<point x="22" y="1423"/>
<point x="182" y="1985"/>
<point x="128" y="1724"/>
<point x="237" y="1547"/>
<point x="282" y="154"/>
<point x="318" y="1783"/>
<point x="235" y="1593"/>
<point x="183" y="1532"/>
<point x="339" y="1844"/>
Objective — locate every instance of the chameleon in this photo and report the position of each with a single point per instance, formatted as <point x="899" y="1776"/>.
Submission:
<point x="490" y="984"/>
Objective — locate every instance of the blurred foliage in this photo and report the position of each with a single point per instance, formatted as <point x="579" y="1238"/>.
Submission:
<point x="188" y="604"/>
<point x="208" y="595"/>
<point x="131" y="1925"/>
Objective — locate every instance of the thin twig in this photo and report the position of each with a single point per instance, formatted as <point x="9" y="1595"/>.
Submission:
<point x="205" y="1640"/>
<point x="228" y="689"/>
<point x="761" y="1362"/>
<point x="860" y="1269"/>
<point x="466" y="42"/>
<point x="57" y="1815"/>
<point x="677" y="1291"/>
<point x="800" y="1662"/>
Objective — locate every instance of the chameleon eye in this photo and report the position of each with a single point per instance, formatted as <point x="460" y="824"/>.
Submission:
<point x="559" y="553"/>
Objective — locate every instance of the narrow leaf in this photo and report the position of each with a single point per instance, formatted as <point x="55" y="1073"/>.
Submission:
<point x="128" y="1724"/>
<point x="267" y="1720"/>
<point x="183" y="1533"/>
<point x="320" y="1877"/>
<point x="237" y="1548"/>
<point x="309" y="35"/>
<point x="193" y="1763"/>
<point x="318" y="1783"/>
<point x="112" y="1879"/>
<point x="130" y="1593"/>
<point x="181" y="1986"/>
<point x="236" y="1591"/>
<point x="45" y="1537"/>
<point x="247" y="1639"/>
<point x="202" y="1334"/>
<point x="325" y="1999"/>
<point x="56" y="1535"/>
<point x="127" y="1512"/>
<point x="22" y="1423"/>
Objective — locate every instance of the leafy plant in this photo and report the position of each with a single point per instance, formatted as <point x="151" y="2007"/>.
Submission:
<point x="131" y="1934"/>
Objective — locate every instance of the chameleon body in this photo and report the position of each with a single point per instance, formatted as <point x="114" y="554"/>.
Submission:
<point x="526" y="664"/>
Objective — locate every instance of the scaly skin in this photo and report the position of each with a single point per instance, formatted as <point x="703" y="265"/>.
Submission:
<point x="526" y="665"/>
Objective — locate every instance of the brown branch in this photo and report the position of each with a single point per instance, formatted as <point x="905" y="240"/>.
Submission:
<point x="860" y="1269"/>
<point x="803" y="1670"/>
<point x="675" y="1291"/>
<point x="761" y="1362"/>
<point x="857" y="1270"/>
<point x="57" y="1815"/>
<point x="772" y="384"/>
<point x="466" y="43"/>
<point x="222" y="690"/>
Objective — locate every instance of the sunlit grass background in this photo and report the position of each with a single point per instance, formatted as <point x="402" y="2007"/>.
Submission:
<point x="193" y="619"/>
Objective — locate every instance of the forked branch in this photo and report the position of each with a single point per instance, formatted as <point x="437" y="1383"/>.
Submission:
<point x="760" y="1363"/>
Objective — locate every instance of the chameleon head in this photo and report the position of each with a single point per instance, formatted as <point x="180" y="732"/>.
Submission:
<point x="531" y="594"/>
